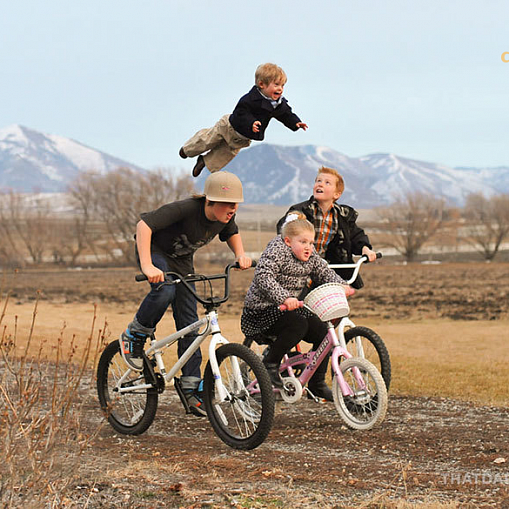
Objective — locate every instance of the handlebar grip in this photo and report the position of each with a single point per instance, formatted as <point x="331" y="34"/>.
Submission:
<point x="140" y="277"/>
<point x="282" y="307"/>
<point x="237" y="266"/>
<point x="366" y="259"/>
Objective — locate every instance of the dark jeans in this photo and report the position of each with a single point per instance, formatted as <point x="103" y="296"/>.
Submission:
<point x="183" y="305"/>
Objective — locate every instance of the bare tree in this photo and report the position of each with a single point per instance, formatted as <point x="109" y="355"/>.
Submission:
<point x="116" y="199"/>
<point x="411" y="221"/>
<point x="487" y="222"/>
<point x="24" y="221"/>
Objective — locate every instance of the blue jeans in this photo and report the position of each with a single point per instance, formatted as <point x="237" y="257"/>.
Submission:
<point x="183" y="304"/>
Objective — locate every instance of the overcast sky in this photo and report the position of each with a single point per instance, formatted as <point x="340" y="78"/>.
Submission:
<point x="420" y="78"/>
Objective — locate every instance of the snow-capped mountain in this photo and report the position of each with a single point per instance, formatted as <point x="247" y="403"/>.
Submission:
<point x="285" y="175"/>
<point x="31" y="161"/>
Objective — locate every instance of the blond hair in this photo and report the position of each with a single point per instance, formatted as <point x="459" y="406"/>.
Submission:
<point x="295" y="226"/>
<point x="340" y="183"/>
<point x="268" y="73"/>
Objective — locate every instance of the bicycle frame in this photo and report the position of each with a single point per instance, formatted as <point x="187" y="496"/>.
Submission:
<point x="314" y="358"/>
<point x="210" y="321"/>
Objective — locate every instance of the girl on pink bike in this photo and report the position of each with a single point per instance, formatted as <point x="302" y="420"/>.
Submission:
<point x="281" y="274"/>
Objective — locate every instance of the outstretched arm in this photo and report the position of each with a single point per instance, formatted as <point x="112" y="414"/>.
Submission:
<point x="235" y="244"/>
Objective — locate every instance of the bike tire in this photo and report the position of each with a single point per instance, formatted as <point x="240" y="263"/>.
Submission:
<point x="367" y="407"/>
<point x="374" y="348"/>
<point x="129" y="413"/>
<point x="244" y="421"/>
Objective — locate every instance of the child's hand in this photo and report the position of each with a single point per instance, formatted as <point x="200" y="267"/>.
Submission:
<point x="301" y="125"/>
<point x="349" y="291"/>
<point x="244" y="262"/>
<point x="292" y="303"/>
<point x="154" y="275"/>
<point x="256" y="126"/>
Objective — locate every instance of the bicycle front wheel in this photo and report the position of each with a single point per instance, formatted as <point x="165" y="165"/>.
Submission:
<point x="367" y="406"/>
<point x="244" y="419"/>
<point x="373" y="349"/>
<point x="131" y="412"/>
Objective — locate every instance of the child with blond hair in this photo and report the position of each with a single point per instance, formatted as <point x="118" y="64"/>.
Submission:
<point x="337" y="235"/>
<point x="249" y="119"/>
<point x="281" y="274"/>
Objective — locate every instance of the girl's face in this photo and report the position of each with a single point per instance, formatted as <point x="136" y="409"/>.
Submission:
<point x="221" y="211"/>
<point x="325" y="188"/>
<point x="302" y="245"/>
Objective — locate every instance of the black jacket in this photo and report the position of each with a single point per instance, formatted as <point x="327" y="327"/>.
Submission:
<point x="349" y="240"/>
<point x="253" y="106"/>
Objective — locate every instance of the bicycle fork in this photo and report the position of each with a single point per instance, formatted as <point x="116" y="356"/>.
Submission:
<point x="217" y="339"/>
<point x="339" y="351"/>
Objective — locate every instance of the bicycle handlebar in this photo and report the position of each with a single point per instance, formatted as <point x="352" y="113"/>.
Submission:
<point x="193" y="278"/>
<point x="356" y="266"/>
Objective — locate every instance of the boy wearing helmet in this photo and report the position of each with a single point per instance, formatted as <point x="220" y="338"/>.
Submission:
<point x="166" y="239"/>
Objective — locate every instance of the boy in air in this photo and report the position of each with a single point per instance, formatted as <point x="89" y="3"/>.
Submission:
<point x="249" y="119"/>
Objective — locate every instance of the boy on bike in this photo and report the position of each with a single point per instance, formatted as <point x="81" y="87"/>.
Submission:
<point x="166" y="239"/>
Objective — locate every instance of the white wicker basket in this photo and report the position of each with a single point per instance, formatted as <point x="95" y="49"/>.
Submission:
<point x="328" y="301"/>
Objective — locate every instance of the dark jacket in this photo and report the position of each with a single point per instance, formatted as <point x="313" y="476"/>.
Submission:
<point x="253" y="106"/>
<point x="347" y="241"/>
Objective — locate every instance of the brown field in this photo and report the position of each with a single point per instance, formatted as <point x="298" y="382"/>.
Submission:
<point x="446" y="327"/>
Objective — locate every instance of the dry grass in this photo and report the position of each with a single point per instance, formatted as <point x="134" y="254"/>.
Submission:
<point x="457" y="359"/>
<point x="463" y="360"/>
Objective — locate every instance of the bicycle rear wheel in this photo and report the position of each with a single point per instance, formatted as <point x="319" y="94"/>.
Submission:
<point x="374" y="350"/>
<point x="129" y="413"/>
<point x="245" y="418"/>
<point x="368" y="405"/>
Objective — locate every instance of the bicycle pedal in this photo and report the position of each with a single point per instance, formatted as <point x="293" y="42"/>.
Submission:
<point x="316" y="399"/>
<point x="182" y="396"/>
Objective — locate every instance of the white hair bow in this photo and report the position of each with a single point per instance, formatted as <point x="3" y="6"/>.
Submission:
<point x="291" y="217"/>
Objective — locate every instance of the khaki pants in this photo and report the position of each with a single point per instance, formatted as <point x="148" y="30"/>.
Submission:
<point x="222" y="142"/>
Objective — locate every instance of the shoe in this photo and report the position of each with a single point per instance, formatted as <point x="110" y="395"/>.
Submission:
<point x="198" y="167"/>
<point x="195" y="401"/>
<point x="273" y="371"/>
<point x="182" y="154"/>
<point x="131" y="348"/>
<point x="320" y="390"/>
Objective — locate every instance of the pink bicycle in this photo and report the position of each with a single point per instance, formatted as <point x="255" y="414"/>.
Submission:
<point x="358" y="389"/>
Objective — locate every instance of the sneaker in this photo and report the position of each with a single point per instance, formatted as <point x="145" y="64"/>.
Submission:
<point x="195" y="401"/>
<point x="198" y="167"/>
<point x="131" y="347"/>
<point x="273" y="371"/>
<point x="182" y="154"/>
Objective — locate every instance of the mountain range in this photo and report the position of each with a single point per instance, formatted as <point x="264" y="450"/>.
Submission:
<point x="31" y="161"/>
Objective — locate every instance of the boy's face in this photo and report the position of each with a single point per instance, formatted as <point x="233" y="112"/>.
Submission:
<point x="222" y="211"/>
<point x="274" y="90"/>
<point x="325" y="188"/>
<point x="302" y="245"/>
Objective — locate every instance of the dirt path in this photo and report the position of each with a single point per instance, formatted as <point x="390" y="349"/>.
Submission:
<point x="427" y="449"/>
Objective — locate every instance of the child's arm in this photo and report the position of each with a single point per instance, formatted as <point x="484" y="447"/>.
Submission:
<point x="143" y="240"/>
<point x="235" y="244"/>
